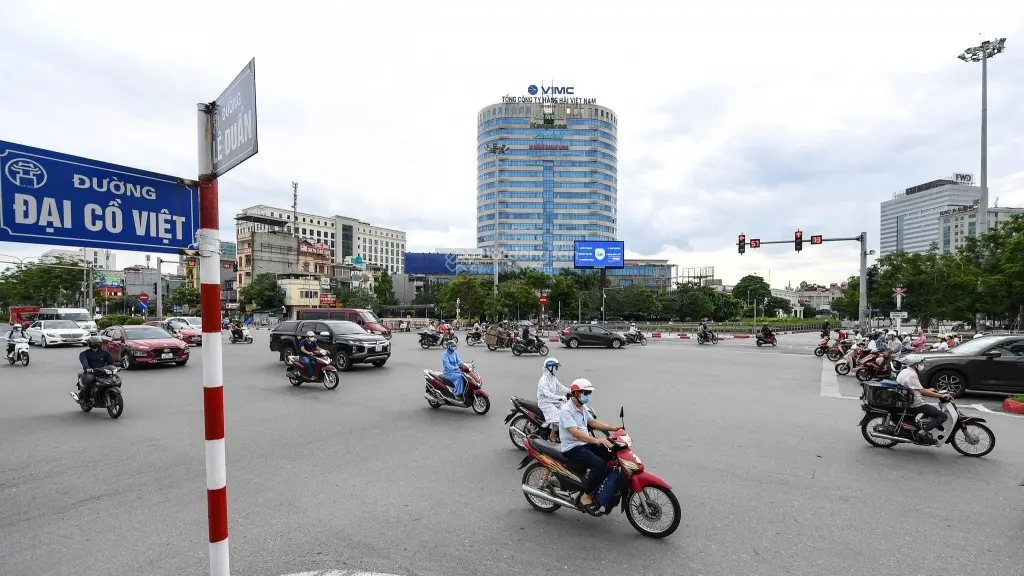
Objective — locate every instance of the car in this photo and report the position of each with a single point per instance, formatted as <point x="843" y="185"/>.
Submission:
<point x="56" y="332"/>
<point x="986" y="364"/>
<point x="590" y="335"/>
<point x="136" y="345"/>
<point x="182" y="327"/>
<point x="365" y="318"/>
<point x="80" y="316"/>
<point x="346" y="341"/>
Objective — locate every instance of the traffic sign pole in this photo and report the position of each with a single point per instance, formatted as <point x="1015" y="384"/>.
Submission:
<point x="213" y="367"/>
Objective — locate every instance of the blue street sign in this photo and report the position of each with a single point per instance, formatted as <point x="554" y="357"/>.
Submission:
<point x="143" y="305"/>
<point x="52" y="198"/>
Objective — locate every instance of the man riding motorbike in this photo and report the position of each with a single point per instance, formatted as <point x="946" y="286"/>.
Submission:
<point x="236" y="328"/>
<point x="826" y="329"/>
<point x="550" y="396"/>
<point x="588" y="452"/>
<point x="527" y="339"/>
<point x="767" y="333"/>
<point x="16" y="331"/>
<point x="909" y="377"/>
<point x="307" y="350"/>
<point x="450" y="367"/>
<point x="92" y="358"/>
<point x="703" y="328"/>
<point x="632" y="332"/>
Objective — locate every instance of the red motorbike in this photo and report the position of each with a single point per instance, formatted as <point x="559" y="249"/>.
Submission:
<point x="552" y="481"/>
<point x="439" y="391"/>
<point x="837" y="351"/>
<point x="324" y="371"/>
<point x="875" y="366"/>
<point x="823" y="346"/>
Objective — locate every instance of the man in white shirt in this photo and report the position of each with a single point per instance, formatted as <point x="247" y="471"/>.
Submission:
<point x="909" y="378"/>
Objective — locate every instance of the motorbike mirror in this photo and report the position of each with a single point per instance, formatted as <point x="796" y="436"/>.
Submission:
<point x="622" y="416"/>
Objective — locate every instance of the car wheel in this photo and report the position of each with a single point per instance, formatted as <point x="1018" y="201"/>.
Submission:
<point x="616" y="343"/>
<point x="42" y="339"/>
<point x="342" y="361"/>
<point x="949" y="382"/>
<point x="573" y="343"/>
<point x="286" y="352"/>
<point x="125" y="362"/>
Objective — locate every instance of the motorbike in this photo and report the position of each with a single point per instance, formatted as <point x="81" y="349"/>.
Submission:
<point x="520" y="346"/>
<point x="761" y="340"/>
<point x="243" y="336"/>
<point x="19" y="353"/>
<point x="887" y="422"/>
<point x="870" y="369"/>
<point x="438" y="390"/>
<point x="823" y="346"/>
<point x="505" y="340"/>
<point x="709" y="336"/>
<point x="551" y="481"/>
<point x="527" y="419"/>
<point x="106" y="391"/>
<point x="852" y="358"/>
<point x="474" y="338"/>
<point x="637" y="338"/>
<point x="324" y="371"/>
<point x="429" y="339"/>
<point x="836" y="351"/>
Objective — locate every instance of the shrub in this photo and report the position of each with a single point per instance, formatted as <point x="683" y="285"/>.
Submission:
<point x="118" y="320"/>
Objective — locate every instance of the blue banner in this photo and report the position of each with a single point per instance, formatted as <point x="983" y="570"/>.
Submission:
<point x="52" y="198"/>
<point x="599" y="254"/>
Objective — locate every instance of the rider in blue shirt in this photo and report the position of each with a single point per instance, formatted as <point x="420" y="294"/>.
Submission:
<point x="451" y="368"/>
<point x="307" y="349"/>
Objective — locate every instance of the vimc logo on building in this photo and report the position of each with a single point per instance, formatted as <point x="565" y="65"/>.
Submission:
<point x="551" y="90"/>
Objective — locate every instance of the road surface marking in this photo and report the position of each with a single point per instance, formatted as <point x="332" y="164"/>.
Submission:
<point x="829" y="380"/>
<point x="339" y="573"/>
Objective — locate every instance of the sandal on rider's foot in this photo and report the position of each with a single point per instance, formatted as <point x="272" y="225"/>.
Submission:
<point x="592" y="508"/>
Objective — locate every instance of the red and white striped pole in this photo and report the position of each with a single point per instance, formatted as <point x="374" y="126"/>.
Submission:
<point x="213" y="366"/>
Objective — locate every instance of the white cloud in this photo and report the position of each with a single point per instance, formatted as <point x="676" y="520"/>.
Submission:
<point x="755" y="117"/>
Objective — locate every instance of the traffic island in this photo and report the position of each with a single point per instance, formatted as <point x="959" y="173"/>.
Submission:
<point x="1014" y="405"/>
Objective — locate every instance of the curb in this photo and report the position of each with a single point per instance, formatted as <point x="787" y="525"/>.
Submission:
<point x="1013" y="407"/>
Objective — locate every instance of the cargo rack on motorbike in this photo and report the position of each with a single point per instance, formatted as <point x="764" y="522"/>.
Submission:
<point x="887" y="395"/>
<point x="491" y="336"/>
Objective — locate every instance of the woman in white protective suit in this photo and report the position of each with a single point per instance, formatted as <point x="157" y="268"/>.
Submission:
<point x="550" y="396"/>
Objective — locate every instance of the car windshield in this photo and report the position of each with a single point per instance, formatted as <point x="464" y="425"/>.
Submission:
<point x="368" y="316"/>
<point x="346" y="328"/>
<point x="75" y="316"/>
<point x="194" y="320"/>
<point x="972" y="347"/>
<point x="61" y="325"/>
<point x="145" y="333"/>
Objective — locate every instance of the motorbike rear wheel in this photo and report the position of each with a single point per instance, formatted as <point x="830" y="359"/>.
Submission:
<point x="534" y="476"/>
<point x="635" y="511"/>
<point x="294" y="377"/>
<point x="424" y="344"/>
<point x="517" y="350"/>
<point x="869" y="424"/>
<point x="833" y="355"/>
<point x="864" y="374"/>
<point x="331" y="380"/>
<point x="115" y="403"/>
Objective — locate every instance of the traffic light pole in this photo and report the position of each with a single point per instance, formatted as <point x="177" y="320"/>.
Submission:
<point x="864" y="314"/>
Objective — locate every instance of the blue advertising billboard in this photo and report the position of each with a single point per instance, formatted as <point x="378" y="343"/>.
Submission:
<point x="599" y="254"/>
<point x="428" y="263"/>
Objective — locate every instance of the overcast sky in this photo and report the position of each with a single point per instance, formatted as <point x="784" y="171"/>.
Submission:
<point x="754" y="117"/>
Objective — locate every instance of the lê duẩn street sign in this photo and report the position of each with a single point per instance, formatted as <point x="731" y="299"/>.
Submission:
<point x="48" y="197"/>
<point x="233" y="120"/>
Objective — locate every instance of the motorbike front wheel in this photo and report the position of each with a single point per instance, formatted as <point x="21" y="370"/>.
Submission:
<point x="986" y="440"/>
<point x="542" y="350"/>
<point x="819" y="352"/>
<point x="663" y="514"/>
<point x="24" y="358"/>
<point x="481" y="404"/>
<point x="834" y="355"/>
<point x="843" y="368"/>
<point x="643" y="341"/>
<point x="330" y="380"/>
<point x="115" y="403"/>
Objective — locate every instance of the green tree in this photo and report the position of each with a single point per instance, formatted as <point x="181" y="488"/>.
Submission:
<point x="632" y="303"/>
<point x="349" y="297"/>
<point x="263" y="292"/>
<point x="186" y="296"/>
<point x="428" y="293"/>
<point x="59" y="284"/>
<point x="384" y="290"/>
<point x="776" y="305"/>
<point x="518" y="299"/>
<point x="727" y="307"/>
<point x="465" y="292"/>
<point x="752" y="288"/>
<point x="811" y="311"/>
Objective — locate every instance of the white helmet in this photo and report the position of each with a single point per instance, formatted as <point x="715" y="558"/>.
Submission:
<point x="581" y="385"/>
<point x="552" y="364"/>
<point x="915" y="361"/>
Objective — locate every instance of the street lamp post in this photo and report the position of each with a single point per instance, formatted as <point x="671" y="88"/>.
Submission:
<point x="497" y="150"/>
<point x="982" y="53"/>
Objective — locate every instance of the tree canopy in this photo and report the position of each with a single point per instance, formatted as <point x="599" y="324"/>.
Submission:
<point x="263" y="292"/>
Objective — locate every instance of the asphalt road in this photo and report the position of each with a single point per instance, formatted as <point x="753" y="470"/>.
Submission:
<point x="773" y="477"/>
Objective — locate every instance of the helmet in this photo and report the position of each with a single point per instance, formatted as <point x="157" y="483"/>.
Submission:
<point x="17" y="327"/>
<point x="915" y="361"/>
<point x="581" y="385"/>
<point x="95" y="341"/>
<point x="451" y="345"/>
<point x="310" y="335"/>
<point x="552" y="364"/>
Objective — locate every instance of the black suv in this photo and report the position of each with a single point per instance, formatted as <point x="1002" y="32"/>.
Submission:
<point x="347" y="342"/>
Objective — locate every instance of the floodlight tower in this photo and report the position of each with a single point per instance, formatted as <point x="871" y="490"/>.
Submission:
<point x="982" y="53"/>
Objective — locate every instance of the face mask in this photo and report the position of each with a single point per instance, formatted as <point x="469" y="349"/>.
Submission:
<point x="585" y="399"/>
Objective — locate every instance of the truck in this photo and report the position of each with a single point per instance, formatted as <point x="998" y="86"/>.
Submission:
<point x="24" y="315"/>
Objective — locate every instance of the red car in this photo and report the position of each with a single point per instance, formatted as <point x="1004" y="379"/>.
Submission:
<point x="132" y="346"/>
<point x="183" y="328"/>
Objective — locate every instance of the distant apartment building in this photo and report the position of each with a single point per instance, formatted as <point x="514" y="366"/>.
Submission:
<point x="910" y="220"/>
<point x="382" y="248"/>
<point x="958" y="224"/>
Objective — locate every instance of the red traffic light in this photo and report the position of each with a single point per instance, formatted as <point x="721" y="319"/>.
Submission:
<point x="742" y="239"/>
<point x="755" y="242"/>
<point x="816" y="239"/>
<point x="799" y="235"/>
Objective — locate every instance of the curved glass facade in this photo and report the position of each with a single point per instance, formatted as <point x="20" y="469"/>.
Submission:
<point x="555" y="183"/>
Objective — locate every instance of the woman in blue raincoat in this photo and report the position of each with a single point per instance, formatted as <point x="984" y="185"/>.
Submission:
<point x="450" y="363"/>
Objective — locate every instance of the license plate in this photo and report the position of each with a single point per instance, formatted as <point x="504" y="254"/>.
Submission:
<point x="167" y="355"/>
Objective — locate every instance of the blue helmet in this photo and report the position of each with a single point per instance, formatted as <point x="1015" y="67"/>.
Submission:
<point x="551" y="364"/>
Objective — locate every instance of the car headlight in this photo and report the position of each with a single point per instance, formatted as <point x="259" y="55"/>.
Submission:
<point x="139" y="352"/>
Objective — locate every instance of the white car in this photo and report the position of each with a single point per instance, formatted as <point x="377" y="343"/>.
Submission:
<point x="56" y="332"/>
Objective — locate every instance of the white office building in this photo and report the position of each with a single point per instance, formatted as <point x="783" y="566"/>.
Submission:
<point x="957" y="224"/>
<point x="102" y="259"/>
<point x="910" y="220"/>
<point x="347" y="237"/>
